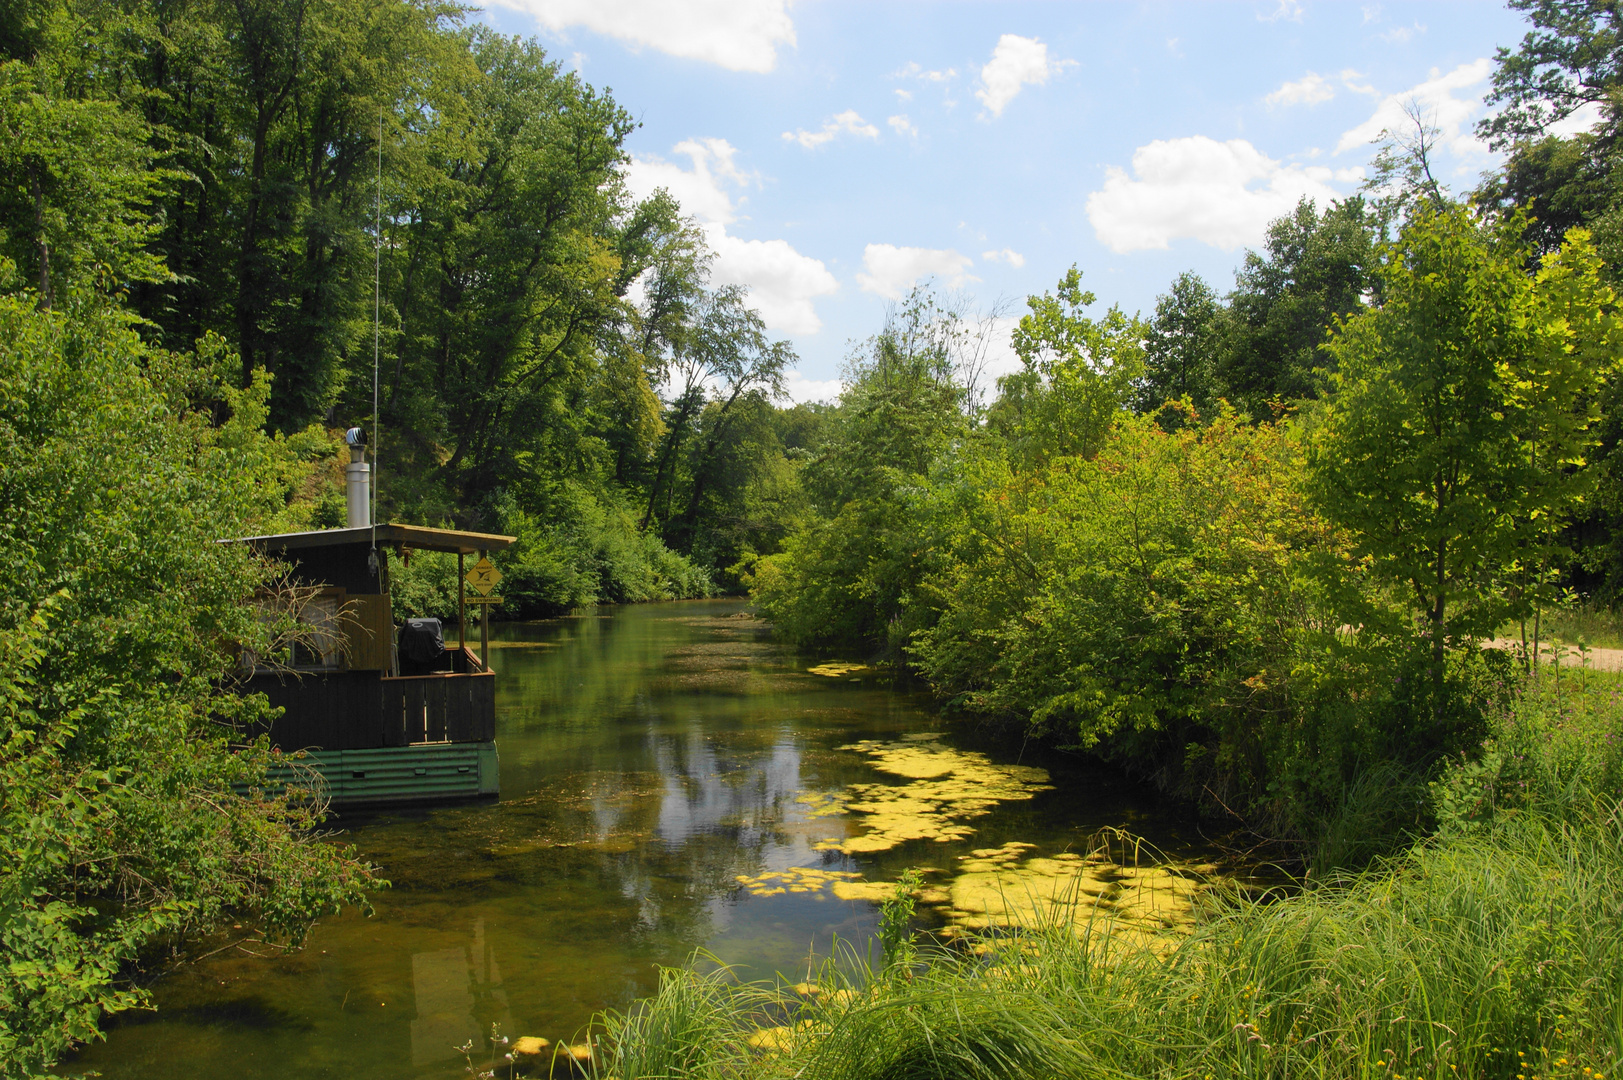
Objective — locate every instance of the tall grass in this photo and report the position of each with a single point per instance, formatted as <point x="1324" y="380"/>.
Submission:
<point x="1493" y="955"/>
<point x="1492" y="949"/>
<point x="1589" y="624"/>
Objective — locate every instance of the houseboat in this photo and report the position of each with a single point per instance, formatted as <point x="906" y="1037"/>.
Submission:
<point x="385" y="713"/>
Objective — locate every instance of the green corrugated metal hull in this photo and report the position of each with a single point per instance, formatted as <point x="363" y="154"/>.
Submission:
<point x="423" y="772"/>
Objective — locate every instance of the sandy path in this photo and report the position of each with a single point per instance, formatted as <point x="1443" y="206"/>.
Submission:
<point x="1598" y="659"/>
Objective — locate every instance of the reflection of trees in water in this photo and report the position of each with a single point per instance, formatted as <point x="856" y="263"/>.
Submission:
<point x="458" y="994"/>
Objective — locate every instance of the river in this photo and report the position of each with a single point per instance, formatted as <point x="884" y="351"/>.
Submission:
<point x="671" y="780"/>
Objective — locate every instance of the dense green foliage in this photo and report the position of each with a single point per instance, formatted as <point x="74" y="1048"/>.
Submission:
<point x="241" y="170"/>
<point x="122" y="614"/>
<point x="1275" y="584"/>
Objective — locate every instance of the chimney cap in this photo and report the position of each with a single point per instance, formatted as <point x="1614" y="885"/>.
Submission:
<point x="355" y="436"/>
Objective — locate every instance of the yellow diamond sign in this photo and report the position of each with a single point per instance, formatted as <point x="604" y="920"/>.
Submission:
<point x="484" y="576"/>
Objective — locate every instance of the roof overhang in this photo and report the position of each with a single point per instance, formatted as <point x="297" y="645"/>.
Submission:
<point x="406" y="536"/>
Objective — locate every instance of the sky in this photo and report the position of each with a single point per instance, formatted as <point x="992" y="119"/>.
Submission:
<point x="838" y="153"/>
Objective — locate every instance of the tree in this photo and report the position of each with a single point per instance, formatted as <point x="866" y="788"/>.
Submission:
<point x="76" y="209"/>
<point x="726" y="345"/>
<point x="1180" y="347"/>
<point x="1315" y="268"/>
<point x="1461" y="413"/>
<point x="1080" y="372"/>
<point x="850" y="574"/>
<point x="731" y="347"/>
<point x="1573" y="58"/>
<point x="120" y="619"/>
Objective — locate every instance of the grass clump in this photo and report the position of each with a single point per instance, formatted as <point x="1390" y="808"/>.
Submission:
<point x="1492" y="955"/>
<point x="1492" y="948"/>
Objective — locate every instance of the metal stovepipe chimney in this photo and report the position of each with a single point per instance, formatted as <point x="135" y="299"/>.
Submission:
<point x="358" y="480"/>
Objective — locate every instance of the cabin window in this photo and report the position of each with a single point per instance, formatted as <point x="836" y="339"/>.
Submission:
<point x="307" y="628"/>
<point x="320" y="646"/>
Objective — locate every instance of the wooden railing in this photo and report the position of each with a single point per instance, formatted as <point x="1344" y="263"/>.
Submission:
<point x="360" y="710"/>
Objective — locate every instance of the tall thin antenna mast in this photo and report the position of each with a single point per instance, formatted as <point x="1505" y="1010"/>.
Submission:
<point x="377" y="311"/>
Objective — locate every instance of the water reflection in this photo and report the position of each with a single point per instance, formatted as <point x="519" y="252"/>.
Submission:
<point x="652" y="757"/>
<point x="452" y="989"/>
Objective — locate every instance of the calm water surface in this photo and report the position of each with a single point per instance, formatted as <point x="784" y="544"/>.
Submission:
<point x="650" y="756"/>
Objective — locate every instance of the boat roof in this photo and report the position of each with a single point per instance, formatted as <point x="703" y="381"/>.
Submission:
<point x="411" y="536"/>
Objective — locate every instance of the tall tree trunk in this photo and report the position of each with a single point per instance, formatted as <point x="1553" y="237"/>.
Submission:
<point x="1438" y="630"/>
<point x="37" y="189"/>
<point x="247" y="257"/>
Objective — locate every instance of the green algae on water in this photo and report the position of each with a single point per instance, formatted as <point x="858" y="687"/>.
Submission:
<point x="947" y="788"/>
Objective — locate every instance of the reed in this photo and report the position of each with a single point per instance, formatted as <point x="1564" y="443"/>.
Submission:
<point x="1491" y="949"/>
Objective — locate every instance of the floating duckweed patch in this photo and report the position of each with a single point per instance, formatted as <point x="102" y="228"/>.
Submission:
<point x="777" y="1040"/>
<point x="948" y="787"/>
<point x="835" y="669"/>
<point x="796" y="879"/>
<point x="824" y="803"/>
<point x="872" y="891"/>
<point x="1004" y="888"/>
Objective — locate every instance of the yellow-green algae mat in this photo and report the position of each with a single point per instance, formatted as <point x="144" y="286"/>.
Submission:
<point x="836" y="669"/>
<point x="1004" y="887"/>
<point x="992" y="888"/>
<point x="948" y="788"/>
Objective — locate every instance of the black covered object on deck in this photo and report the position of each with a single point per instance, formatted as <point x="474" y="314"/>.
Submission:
<point x="422" y="647"/>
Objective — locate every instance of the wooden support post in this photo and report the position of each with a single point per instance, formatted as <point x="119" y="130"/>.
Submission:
<point x="484" y="632"/>
<point x="461" y="608"/>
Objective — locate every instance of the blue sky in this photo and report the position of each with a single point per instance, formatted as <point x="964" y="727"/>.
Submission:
<point x="837" y="152"/>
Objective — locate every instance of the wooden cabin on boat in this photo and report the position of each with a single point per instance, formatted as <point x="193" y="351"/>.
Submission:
<point x="386" y="713"/>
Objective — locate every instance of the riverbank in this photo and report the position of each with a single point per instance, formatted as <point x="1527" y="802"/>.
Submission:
<point x="1490" y="947"/>
<point x="1490" y="955"/>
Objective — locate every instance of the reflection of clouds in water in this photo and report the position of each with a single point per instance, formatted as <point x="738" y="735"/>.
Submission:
<point x="706" y="791"/>
<point x="454" y="990"/>
<point x="606" y="816"/>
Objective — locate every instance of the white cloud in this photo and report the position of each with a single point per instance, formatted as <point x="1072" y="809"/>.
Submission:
<point x="903" y="95"/>
<point x="1580" y="120"/>
<point x="1310" y="89"/>
<point x="1219" y="193"/>
<point x="1400" y="35"/>
<point x="1372" y="12"/>
<point x="698" y="188"/>
<point x="1449" y="114"/>
<point x="783" y="283"/>
<point x="901" y="125"/>
<point x="892" y="270"/>
<point x="740" y="35"/>
<point x="1016" y="62"/>
<point x="1289" y="10"/>
<point x="913" y="70"/>
<point x="1348" y="75"/>
<point x="1008" y="255"/>
<point x="801" y="389"/>
<point x="847" y="121"/>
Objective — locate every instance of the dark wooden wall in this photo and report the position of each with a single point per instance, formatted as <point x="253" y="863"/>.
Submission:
<point x="359" y="710"/>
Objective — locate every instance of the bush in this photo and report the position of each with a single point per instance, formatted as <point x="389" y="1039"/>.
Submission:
<point x="1554" y="746"/>
<point x="583" y="548"/>
<point x="120" y="619"/>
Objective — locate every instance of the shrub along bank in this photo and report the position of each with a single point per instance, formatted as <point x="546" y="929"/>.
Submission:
<point x="1259" y="615"/>
<point x="121" y="467"/>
